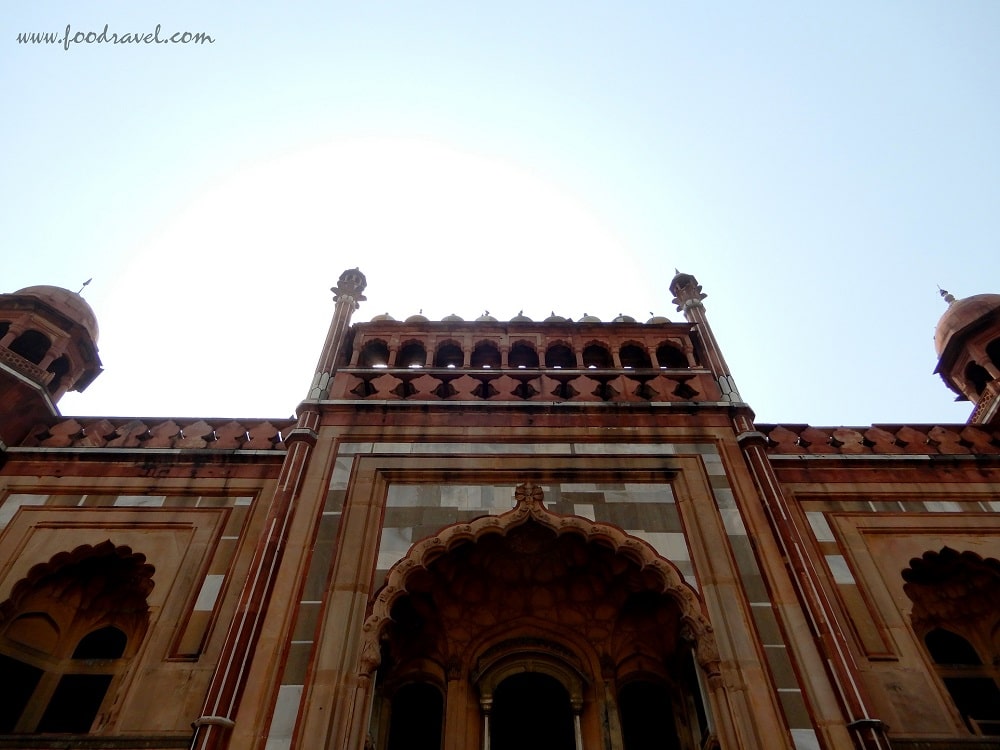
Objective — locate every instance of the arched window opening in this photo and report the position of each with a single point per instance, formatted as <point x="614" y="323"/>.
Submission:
<point x="57" y="666"/>
<point x="74" y="704"/>
<point x="531" y="711"/>
<point x="522" y="356"/>
<point x="36" y="630"/>
<point x="417" y="718"/>
<point x="647" y="717"/>
<point x="670" y="356"/>
<point x="449" y="355"/>
<point x="375" y="354"/>
<point x="411" y="355"/>
<point x="32" y="345"/>
<point x="597" y="357"/>
<point x="977" y="376"/>
<point x="106" y="643"/>
<point x="947" y="585"/>
<point x="992" y="351"/>
<point x="634" y="357"/>
<point x="560" y="356"/>
<point x="486" y="356"/>
<point x="946" y="647"/>
<point x="59" y="368"/>
<point x="16" y="688"/>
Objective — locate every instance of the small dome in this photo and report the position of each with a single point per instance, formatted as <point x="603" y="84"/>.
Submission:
<point x="382" y="318"/>
<point x="960" y="315"/>
<point x="589" y="319"/>
<point x="553" y="318"/>
<point x="486" y="318"/>
<point x="70" y="304"/>
<point x="656" y="319"/>
<point x="623" y="319"/>
<point x="418" y="318"/>
<point x="521" y="318"/>
<point x="452" y="319"/>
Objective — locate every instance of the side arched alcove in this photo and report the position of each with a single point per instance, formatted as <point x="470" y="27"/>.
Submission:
<point x="533" y="603"/>
<point x="67" y="633"/>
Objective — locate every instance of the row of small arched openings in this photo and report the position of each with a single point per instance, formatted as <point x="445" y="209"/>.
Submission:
<point x="523" y="355"/>
<point x="32" y="346"/>
<point x="535" y="708"/>
<point x="977" y="375"/>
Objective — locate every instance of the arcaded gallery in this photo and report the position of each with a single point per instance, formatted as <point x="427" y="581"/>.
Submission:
<point x="496" y="535"/>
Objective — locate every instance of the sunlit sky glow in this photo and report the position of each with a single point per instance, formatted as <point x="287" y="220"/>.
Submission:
<point x="820" y="170"/>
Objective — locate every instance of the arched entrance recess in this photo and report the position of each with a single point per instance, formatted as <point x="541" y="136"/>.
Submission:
<point x="581" y="608"/>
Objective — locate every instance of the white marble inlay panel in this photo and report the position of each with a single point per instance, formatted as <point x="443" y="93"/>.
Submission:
<point x="209" y="593"/>
<point x="670" y="544"/>
<point x="805" y="739"/>
<point x="942" y="506"/>
<point x="13" y="502"/>
<point x="286" y="710"/>
<point x="820" y="526"/>
<point x="140" y="501"/>
<point x="838" y="566"/>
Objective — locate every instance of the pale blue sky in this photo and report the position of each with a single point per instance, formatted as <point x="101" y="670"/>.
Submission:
<point x="819" y="170"/>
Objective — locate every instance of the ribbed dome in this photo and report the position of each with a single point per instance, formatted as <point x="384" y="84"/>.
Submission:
<point x="382" y="318"/>
<point x="960" y="315"/>
<point x="624" y="319"/>
<point x="657" y="319"/>
<point x="521" y="318"/>
<point x="553" y="318"/>
<point x="452" y="319"/>
<point x="486" y="318"/>
<point x="418" y="318"/>
<point x="589" y="319"/>
<point x="70" y="304"/>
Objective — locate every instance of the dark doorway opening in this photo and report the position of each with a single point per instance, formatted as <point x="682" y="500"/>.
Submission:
<point x="531" y="711"/>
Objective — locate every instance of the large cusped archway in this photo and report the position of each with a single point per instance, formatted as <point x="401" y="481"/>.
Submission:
<point x="567" y="601"/>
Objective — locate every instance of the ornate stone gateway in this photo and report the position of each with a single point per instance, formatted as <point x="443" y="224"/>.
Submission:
<point x="537" y="631"/>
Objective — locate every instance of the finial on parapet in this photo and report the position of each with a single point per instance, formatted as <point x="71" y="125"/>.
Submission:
<point x="351" y="284"/>
<point x="946" y="295"/>
<point x="686" y="290"/>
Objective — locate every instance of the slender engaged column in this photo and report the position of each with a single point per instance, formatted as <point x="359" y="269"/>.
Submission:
<point x="212" y="729"/>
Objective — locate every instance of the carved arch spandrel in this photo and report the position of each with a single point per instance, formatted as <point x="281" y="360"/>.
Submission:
<point x="530" y="508"/>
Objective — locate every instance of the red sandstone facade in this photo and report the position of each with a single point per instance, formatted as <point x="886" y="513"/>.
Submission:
<point x="495" y="535"/>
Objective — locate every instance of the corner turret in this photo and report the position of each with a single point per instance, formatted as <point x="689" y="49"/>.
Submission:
<point x="48" y="346"/>
<point x="967" y="341"/>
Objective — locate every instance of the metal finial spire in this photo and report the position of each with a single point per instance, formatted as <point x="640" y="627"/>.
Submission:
<point x="85" y="285"/>
<point x="948" y="296"/>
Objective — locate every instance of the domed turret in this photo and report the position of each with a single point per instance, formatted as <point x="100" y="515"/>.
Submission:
<point x="48" y="346"/>
<point x="967" y="341"/>
<point x="72" y="305"/>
